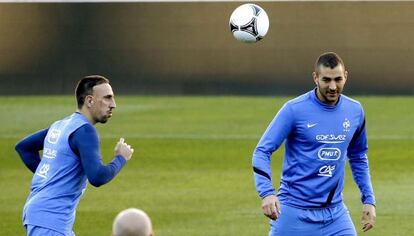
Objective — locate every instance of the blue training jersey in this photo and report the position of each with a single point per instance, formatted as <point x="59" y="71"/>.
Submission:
<point x="319" y="138"/>
<point x="59" y="180"/>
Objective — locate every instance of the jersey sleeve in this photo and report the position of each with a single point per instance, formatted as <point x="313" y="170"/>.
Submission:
<point x="358" y="160"/>
<point x="29" y="147"/>
<point x="85" y="143"/>
<point x="277" y="131"/>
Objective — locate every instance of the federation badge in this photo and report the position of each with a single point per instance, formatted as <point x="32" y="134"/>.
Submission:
<point x="346" y="125"/>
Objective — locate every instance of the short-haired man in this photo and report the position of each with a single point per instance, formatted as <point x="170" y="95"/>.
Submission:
<point x="71" y="156"/>
<point x="321" y="130"/>
<point x="132" y="222"/>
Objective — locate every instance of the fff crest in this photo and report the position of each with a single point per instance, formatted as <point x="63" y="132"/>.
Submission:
<point x="346" y="125"/>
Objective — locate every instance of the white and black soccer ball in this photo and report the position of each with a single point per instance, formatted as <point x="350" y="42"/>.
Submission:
<point x="249" y="23"/>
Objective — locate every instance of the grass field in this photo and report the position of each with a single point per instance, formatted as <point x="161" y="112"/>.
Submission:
<point x="191" y="170"/>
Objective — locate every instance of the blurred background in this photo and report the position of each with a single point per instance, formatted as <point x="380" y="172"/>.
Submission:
<point x="192" y="168"/>
<point x="187" y="48"/>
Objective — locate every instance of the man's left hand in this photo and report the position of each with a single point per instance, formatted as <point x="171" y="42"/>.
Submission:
<point x="368" y="217"/>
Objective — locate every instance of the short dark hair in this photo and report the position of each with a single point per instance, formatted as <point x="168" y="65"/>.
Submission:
<point x="85" y="87"/>
<point x="329" y="59"/>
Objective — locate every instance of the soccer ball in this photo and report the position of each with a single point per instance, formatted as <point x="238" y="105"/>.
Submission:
<point x="249" y="23"/>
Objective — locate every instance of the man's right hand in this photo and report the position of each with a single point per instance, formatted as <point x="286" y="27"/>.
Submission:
<point x="123" y="149"/>
<point x="271" y="207"/>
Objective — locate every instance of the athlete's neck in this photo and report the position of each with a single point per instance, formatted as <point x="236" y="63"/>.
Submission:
<point x="87" y="114"/>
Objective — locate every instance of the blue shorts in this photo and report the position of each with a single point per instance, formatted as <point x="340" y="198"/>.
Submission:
<point x="33" y="230"/>
<point x="334" y="221"/>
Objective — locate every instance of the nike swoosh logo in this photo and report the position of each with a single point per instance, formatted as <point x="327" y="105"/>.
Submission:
<point x="311" y="125"/>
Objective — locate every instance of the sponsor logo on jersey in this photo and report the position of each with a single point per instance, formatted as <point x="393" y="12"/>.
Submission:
<point x="53" y="136"/>
<point x="326" y="171"/>
<point x="309" y="125"/>
<point x="329" y="154"/>
<point x="43" y="170"/>
<point x="346" y="125"/>
<point x="49" y="153"/>
<point x="330" y="138"/>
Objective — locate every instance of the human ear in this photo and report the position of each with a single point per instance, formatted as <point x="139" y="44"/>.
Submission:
<point x="89" y="101"/>
<point x="315" y="77"/>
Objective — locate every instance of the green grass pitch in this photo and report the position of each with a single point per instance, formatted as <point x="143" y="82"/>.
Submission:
<point x="191" y="170"/>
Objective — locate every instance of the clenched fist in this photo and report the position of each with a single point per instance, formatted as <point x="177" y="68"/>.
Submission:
<point x="123" y="149"/>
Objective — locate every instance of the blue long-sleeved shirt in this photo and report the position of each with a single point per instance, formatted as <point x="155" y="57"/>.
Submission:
<point x="319" y="138"/>
<point x="70" y="157"/>
<point x="83" y="142"/>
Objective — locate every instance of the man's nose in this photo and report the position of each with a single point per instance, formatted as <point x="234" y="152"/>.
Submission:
<point x="332" y="85"/>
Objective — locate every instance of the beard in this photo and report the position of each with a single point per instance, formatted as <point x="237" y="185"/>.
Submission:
<point x="102" y="119"/>
<point x="327" y="95"/>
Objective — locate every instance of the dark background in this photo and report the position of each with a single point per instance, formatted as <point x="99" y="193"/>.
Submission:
<point x="187" y="48"/>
